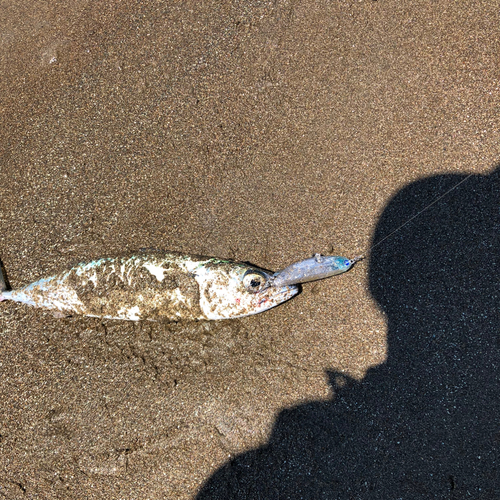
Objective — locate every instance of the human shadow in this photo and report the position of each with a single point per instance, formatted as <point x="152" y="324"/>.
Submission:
<point x="426" y="423"/>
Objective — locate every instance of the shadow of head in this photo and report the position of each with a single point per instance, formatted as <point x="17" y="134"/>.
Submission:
<point x="425" y="423"/>
<point x="439" y="273"/>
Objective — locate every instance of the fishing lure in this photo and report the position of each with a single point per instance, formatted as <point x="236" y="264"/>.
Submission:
<point x="316" y="268"/>
<point x="170" y="286"/>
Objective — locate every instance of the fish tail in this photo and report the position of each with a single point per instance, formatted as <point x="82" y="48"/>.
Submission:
<point x="3" y="284"/>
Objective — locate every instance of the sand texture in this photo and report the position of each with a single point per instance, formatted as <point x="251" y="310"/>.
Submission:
<point x="263" y="131"/>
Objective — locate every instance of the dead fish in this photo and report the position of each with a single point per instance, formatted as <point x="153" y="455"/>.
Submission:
<point x="158" y="286"/>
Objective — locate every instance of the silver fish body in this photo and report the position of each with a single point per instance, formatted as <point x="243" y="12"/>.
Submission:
<point x="157" y="286"/>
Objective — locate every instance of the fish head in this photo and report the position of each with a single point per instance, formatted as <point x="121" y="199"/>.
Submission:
<point x="235" y="289"/>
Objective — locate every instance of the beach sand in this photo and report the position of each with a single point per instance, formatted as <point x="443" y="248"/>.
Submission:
<point x="263" y="132"/>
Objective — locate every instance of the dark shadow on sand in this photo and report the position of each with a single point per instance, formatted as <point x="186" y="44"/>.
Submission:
<point x="425" y="424"/>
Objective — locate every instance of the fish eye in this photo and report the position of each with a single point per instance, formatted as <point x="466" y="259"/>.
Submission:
<point x="347" y="262"/>
<point x="254" y="281"/>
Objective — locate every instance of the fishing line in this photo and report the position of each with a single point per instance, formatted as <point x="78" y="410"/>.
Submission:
<point x="361" y="257"/>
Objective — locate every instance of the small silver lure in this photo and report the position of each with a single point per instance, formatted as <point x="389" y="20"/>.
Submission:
<point x="315" y="268"/>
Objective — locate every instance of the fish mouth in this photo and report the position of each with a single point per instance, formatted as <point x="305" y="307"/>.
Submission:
<point x="277" y="295"/>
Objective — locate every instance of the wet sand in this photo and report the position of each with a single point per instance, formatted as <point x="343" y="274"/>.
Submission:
<point x="263" y="132"/>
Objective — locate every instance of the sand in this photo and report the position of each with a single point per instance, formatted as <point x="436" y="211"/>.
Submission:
<point x="263" y="132"/>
